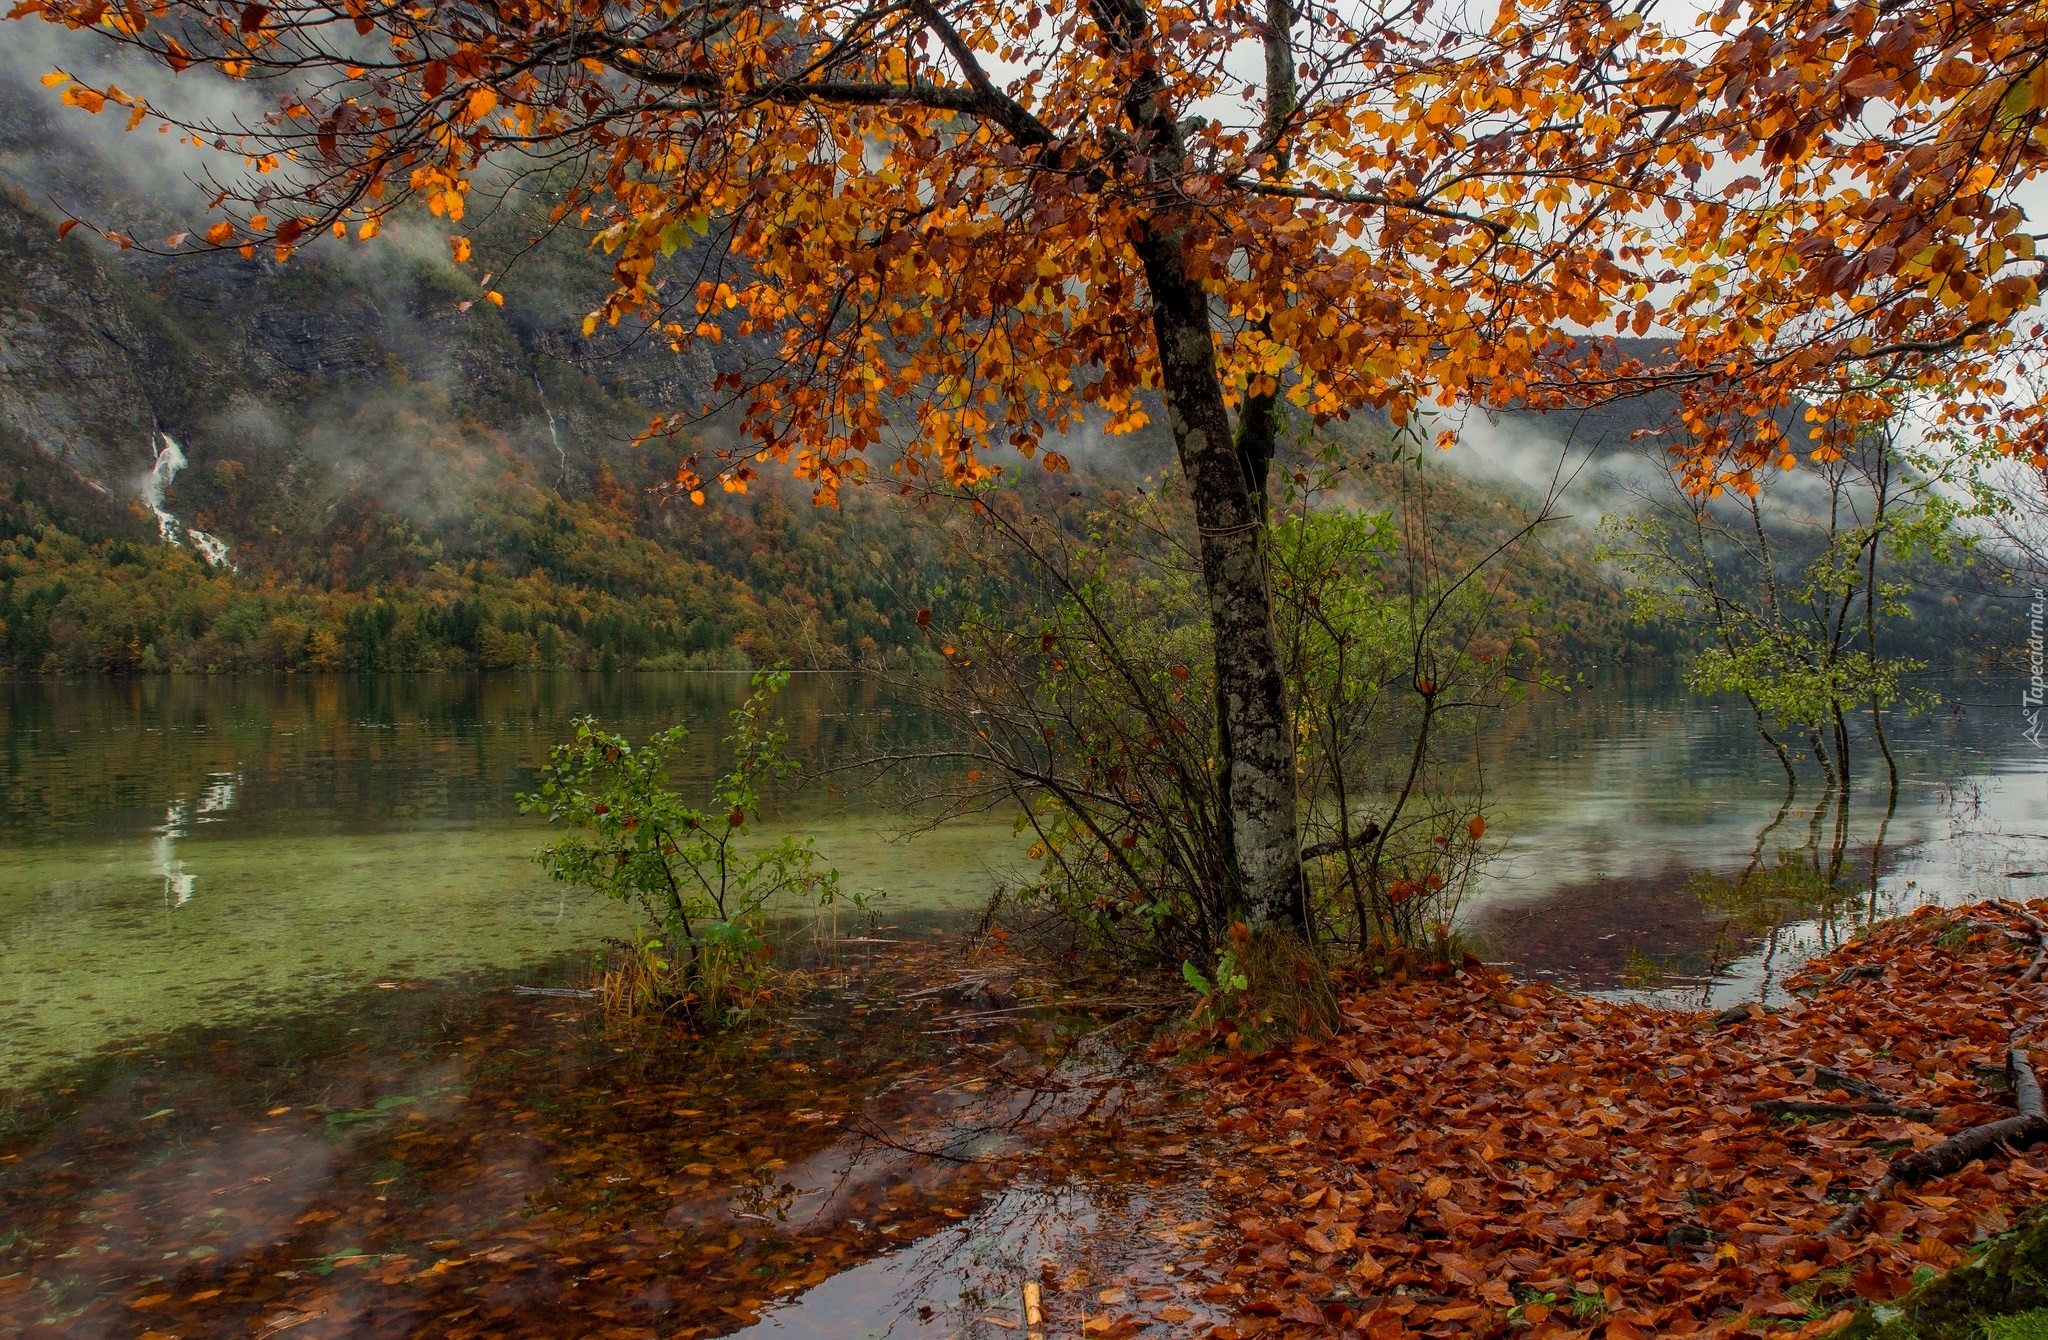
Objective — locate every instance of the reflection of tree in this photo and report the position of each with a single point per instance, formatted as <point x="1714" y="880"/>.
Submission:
<point x="1816" y="881"/>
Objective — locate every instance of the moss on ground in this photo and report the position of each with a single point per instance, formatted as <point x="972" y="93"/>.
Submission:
<point x="2001" y="1294"/>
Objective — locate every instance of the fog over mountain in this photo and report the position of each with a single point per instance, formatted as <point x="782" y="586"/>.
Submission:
<point x="354" y="430"/>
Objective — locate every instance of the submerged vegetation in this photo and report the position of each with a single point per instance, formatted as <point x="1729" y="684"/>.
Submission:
<point x="704" y="887"/>
<point x="1236" y="709"/>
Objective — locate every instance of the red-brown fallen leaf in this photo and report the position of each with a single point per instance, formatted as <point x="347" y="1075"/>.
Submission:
<point x="1479" y="1136"/>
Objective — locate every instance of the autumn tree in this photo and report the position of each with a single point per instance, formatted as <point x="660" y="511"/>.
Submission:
<point x="957" y="228"/>
<point x="1861" y="250"/>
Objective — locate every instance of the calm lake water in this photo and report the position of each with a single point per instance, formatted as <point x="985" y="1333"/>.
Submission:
<point x="183" y="851"/>
<point x="262" y="1068"/>
<point x="178" y="851"/>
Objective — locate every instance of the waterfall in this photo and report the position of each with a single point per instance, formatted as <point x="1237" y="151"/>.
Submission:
<point x="211" y="548"/>
<point x="554" y="435"/>
<point x="170" y="458"/>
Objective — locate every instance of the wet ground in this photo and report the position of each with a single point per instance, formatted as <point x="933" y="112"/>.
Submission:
<point x="897" y="1152"/>
<point x="264" y="1070"/>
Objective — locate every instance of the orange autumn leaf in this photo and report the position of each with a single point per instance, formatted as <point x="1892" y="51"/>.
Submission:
<point x="966" y="231"/>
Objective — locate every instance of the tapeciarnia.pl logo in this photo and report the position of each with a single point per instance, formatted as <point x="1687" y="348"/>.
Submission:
<point x="2037" y="681"/>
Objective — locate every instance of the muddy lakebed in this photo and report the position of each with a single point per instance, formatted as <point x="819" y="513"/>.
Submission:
<point x="290" y="1038"/>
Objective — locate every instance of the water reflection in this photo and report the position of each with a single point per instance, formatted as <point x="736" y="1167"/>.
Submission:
<point x="1654" y="847"/>
<point x="457" y="1160"/>
<point x="190" y="850"/>
<point x="216" y="799"/>
<point x="91" y="759"/>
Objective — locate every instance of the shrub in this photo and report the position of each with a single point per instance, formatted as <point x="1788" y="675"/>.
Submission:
<point x="693" y="872"/>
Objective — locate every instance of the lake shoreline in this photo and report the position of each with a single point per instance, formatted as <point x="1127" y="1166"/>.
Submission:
<point x="1476" y="1155"/>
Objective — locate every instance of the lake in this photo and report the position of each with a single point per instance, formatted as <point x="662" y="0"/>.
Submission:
<point x="272" y="1056"/>
<point x="181" y="851"/>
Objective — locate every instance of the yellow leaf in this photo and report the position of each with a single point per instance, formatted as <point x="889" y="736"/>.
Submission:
<point x="220" y="232"/>
<point x="460" y="246"/>
<point x="481" y="100"/>
<point x="495" y="298"/>
<point x="54" y="78"/>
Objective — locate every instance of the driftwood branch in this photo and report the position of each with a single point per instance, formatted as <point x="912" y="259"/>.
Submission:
<point x="2027" y="1126"/>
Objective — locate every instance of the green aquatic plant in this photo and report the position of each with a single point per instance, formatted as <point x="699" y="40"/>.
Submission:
<point x="692" y="871"/>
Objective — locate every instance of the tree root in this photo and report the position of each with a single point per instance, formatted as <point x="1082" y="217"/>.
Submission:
<point x="1785" y="1107"/>
<point x="2040" y="964"/>
<point x="2026" y="1127"/>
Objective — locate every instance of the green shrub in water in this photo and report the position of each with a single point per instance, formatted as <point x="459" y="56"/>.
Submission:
<point x="690" y="870"/>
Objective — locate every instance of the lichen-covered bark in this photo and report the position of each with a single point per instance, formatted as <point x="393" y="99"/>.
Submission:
<point x="1251" y="694"/>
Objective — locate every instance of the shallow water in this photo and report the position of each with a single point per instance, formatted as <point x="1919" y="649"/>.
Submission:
<point x="459" y="1159"/>
<point x="1629" y="807"/>
<point x="178" y="851"/>
<point x="189" y="851"/>
<point x="265" y="1066"/>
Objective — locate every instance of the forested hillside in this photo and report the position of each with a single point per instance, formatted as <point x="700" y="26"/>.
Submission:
<point x="407" y="476"/>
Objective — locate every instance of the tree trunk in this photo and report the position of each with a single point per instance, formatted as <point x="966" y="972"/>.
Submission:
<point x="1258" y="746"/>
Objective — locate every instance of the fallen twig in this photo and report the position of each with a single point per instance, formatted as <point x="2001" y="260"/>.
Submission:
<point x="1785" y="1107"/>
<point x="2026" y="1127"/>
<point x="2040" y="963"/>
<point x="1826" y="1078"/>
